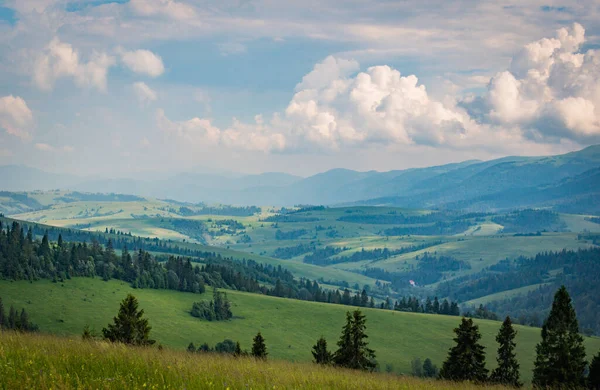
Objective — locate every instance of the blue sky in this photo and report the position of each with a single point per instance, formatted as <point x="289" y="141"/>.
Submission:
<point x="119" y="87"/>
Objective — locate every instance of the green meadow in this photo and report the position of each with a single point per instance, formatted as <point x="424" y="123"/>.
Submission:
<point x="290" y="327"/>
<point x="48" y="362"/>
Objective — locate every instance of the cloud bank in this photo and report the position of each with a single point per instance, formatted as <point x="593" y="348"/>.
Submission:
<point x="550" y="94"/>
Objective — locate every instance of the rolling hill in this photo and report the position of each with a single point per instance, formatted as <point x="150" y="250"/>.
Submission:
<point x="397" y="337"/>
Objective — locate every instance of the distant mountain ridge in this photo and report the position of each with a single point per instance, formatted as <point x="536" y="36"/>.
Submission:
<point x="569" y="182"/>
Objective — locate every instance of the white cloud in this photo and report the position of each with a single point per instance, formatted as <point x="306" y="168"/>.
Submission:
<point x="15" y="116"/>
<point x="49" y="148"/>
<point x="142" y="62"/>
<point x="44" y="147"/>
<point x="144" y="93"/>
<point x="60" y="59"/>
<point x="551" y="90"/>
<point x="198" y="132"/>
<point x="163" y="8"/>
<point x="231" y="48"/>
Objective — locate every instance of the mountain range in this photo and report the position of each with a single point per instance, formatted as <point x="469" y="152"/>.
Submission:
<point x="568" y="182"/>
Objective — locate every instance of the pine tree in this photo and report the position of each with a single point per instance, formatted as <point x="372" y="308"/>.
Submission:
<point x="320" y="353"/>
<point x="3" y="318"/>
<point x="129" y="326"/>
<point x="191" y="347"/>
<point x="594" y="375"/>
<point x="238" y="349"/>
<point x="466" y="360"/>
<point x="12" y="318"/>
<point x="87" y="333"/>
<point x="560" y="360"/>
<point x="429" y="369"/>
<point x="507" y="372"/>
<point x="259" y="349"/>
<point x="353" y="351"/>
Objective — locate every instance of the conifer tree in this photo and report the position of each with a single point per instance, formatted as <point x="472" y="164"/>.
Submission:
<point x="87" y="333"/>
<point x="12" y="318"/>
<point x="353" y="351"/>
<point x="320" y="353"/>
<point x="259" y="349"/>
<point x="191" y="347"/>
<point x="466" y="360"/>
<point x="507" y="372"/>
<point x="429" y="369"/>
<point x="3" y="318"/>
<point x="594" y="375"/>
<point x="129" y="325"/>
<point x="560" y="360"/>
<point x="238" y="349"/>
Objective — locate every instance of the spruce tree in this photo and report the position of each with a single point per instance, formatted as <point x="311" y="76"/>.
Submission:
<point x="12" y="318"/>
<point x="238" y="349"/>
<point x="466" y="360"/>
<point x="320" y="353"/>
<point x="87" y="333"/>
<point x="3" y="318"/>
<point x="353" y="351"/>
<point x="191" y="347"/>
<point x="259" y="349"/>
<point x="594" y="375"/>
<point x="560" y="360"/>
<point x="129" y="325"/>
<point x="507" y="372"/>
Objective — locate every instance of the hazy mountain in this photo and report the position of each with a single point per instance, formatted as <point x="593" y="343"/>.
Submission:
<point x="564" y="181"/>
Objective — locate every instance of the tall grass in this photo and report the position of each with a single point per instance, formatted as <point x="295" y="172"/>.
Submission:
<point x="47" y="362"/>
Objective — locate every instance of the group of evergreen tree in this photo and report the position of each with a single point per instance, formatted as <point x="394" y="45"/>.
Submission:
<point x="219" y="309"/>
<point x="258" y="351"/>
<point x="353" y="350"/>
<point x="560" y="356"/>
<point x="426" y="369"/>
<point x="413" y="304"/>
<point x="15" y="320"/>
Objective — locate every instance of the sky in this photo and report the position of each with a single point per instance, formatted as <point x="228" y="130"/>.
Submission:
<point x="125" y="87"/>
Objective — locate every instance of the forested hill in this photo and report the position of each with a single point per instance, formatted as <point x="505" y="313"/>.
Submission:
<point x="22" y="257"/>
<point x="578" y="270"/>
<point x="568" y="183"/>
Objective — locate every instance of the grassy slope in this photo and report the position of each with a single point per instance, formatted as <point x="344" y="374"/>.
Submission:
<point x="290" y="327"/>
<point x="45" y="362"/>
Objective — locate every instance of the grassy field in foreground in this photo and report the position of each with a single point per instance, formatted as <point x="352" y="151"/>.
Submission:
<point x="47" y="362"/>
<point x="290" y="327"/>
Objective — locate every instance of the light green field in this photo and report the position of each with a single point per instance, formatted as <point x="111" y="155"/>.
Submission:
<point x="290" y="327"/>
<point x="503" y="295"/>
<point x="47" y="362"/>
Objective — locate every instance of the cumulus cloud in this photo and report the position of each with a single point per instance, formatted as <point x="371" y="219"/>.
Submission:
<point x="142" y="62"/>
<point x="551" y="90"/>
<point x="144" y="93"/>
<point x="60" y="59"/>
<point x="15" y="116"/>
<point x="335" y="107"/>
<point x="198" y="132"/>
